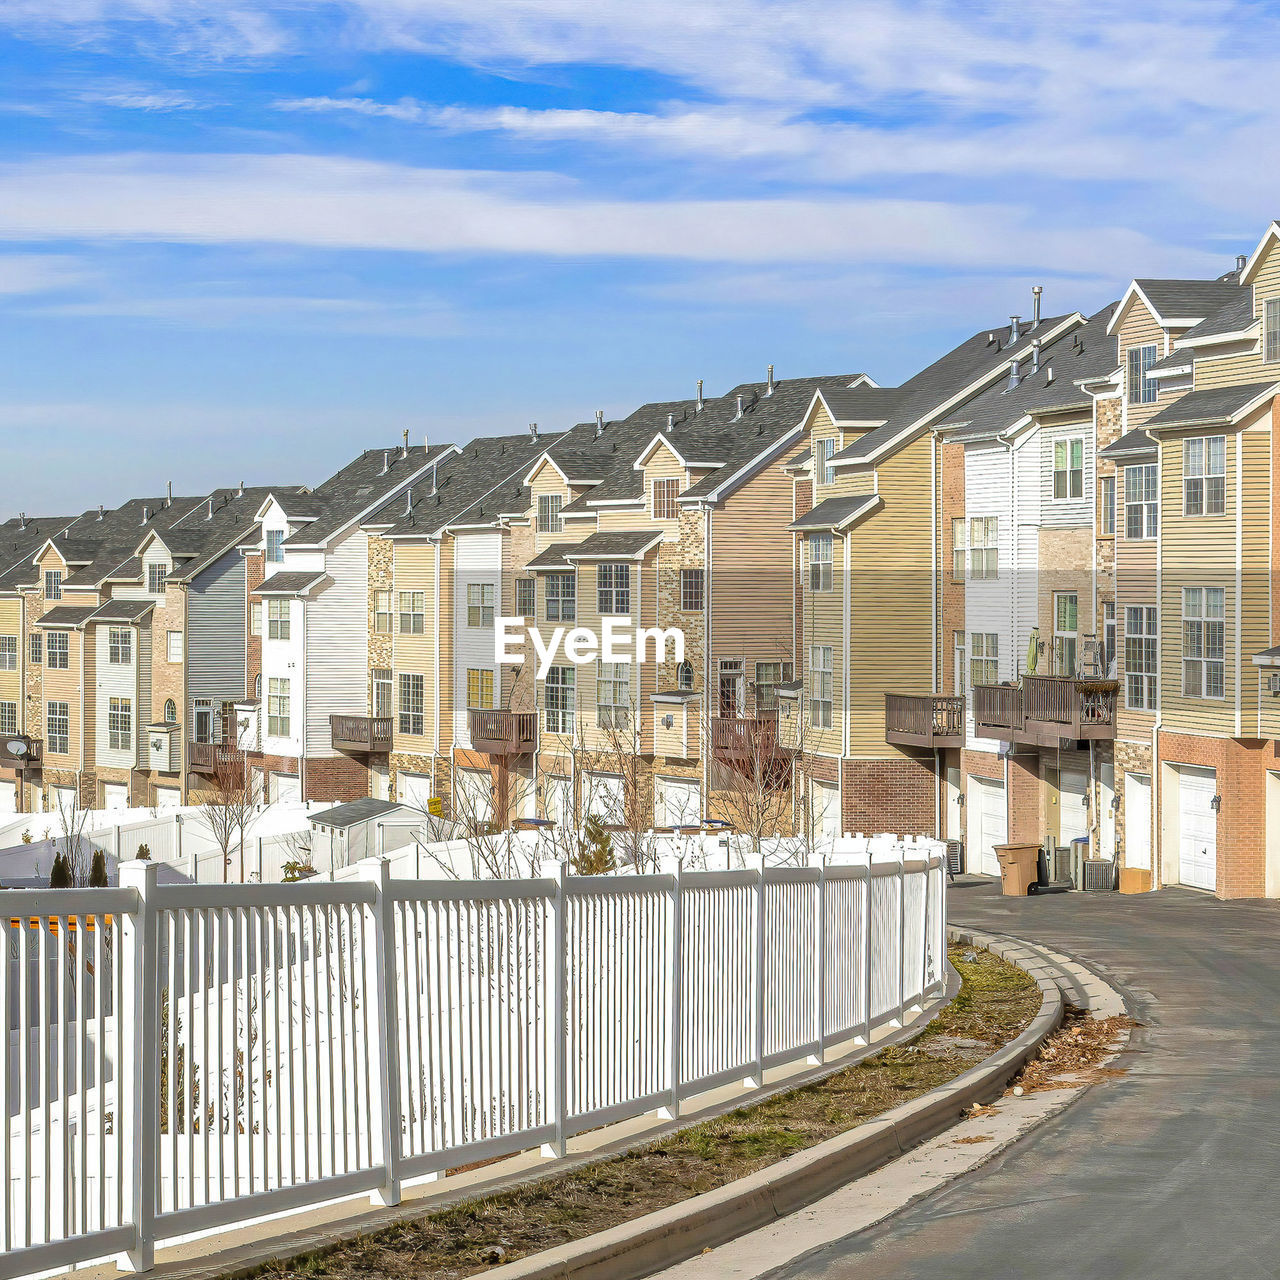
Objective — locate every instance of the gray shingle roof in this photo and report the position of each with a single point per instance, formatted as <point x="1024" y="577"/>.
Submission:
<point x="66" y="616"/>
<point x="1214" y="406"/>
<point x="1178" y="358"/>
<point x="1132" y="442"/>
<point x="198" y="539"/>
<point x="289" y="582"/>
<point x="355" y="812"/>
<point x="862" y="404"/>
<point x="1235" y="317"/>
<point x="20" y="539"/>
<point x="984" y="355"/>
<point x="121" y="610"/>
<point x="1189" y="299"/>
<point x="552" y="557"/>
<point x="835" y="513"/>
<point x="1083" y="355"/>
<point x="622" y="545"/>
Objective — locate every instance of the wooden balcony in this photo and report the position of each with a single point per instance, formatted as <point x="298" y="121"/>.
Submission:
<point x="208" y="757"/>
<point x="750" y="745"/>
<point x="18" y="751"/>
<point x="360" y="734"/>
<point x="925" y="720"/>
<point x="503" y="733"/>
<point x="1046" y="710"/>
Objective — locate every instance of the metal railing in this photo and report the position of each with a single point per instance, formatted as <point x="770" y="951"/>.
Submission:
<point x="187" y="1057"/>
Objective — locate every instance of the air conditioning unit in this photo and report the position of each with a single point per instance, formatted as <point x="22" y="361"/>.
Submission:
<point x="1098" y="876"/>
<point x="955" y="857"/>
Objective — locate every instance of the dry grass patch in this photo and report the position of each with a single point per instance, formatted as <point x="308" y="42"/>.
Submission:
<point x="995" y="1003"/>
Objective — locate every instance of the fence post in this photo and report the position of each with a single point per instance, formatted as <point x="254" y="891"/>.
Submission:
<point x="558" y="1146"/>
<point x="260" y="862"/>
<point x="675" y="990"/>
<point x="867" y="953"/>
<point x="756" y="1079"/>
<point x="820" y="965"/>
<point x="380" y="980"/>
<point x="138" y="1100"/>
<point x="902" y="933"/>
<point x="926" y="942"/>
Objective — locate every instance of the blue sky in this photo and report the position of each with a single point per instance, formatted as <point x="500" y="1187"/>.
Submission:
<point x="247" y="240"/>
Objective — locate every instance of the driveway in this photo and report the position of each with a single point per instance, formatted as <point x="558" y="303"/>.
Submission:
<point x="1168" y="1171"/>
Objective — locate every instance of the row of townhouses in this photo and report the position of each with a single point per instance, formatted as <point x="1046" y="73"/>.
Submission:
<point x="1026" y="595"/>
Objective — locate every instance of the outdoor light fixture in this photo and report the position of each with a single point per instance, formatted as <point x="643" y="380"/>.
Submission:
<point x="1216" y="804"/>
<point x="1115" y="804"/>
<point x="960" y="800"/>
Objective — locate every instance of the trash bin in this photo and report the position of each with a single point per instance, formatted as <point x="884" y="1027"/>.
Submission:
<point x="1017" y="868"/>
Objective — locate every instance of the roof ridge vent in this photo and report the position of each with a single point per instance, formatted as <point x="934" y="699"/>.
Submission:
<point x="1048" y="375"/>
<point x="209" y="514"/>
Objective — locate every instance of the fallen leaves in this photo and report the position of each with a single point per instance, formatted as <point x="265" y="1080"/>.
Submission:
<point x="1073" y="1054"/>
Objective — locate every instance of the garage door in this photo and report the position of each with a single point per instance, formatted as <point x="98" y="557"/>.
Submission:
<point x="559" y="808"/>
<point x="1073" y="814"/>
<point x="168" y="798"/>
<point x="604" y="797"/>
<point x="475" y="796"/>
<point x="1137" y="821"/>
<point x="678" y="802"/>
<point x="285" y="788"/>
<point x="62" y="799"/>
<point x="414" y="789"/>
<point x="826" y="813"/>
<point x="1197" y="828"/>
<point x="988" y="824"/>
<point x="115" y="795"/>
<point x="8" y="797"/>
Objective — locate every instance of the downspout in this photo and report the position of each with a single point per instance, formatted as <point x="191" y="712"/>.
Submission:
<point x="935" y="602"/>
<point x="436" y="757"/>
<point x="1157" y="804"/>
<point x="302" y="759"/>
<point x="706" y="660"/>
<point x="84" y="640"/>
<point x="845" y="628"/>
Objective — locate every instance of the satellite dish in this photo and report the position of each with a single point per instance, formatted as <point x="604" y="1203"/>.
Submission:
<point x="16" y="747"/>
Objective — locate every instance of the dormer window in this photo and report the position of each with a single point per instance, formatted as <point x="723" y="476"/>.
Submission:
<point x="53" y="584"/>
<point x="823" y="452"/>
<point x="157" y="579"/>
<point x="275" y="546"/>
<point x="664" y="499"/>
<point x="1271" y="330"/>
<point x="1142" y="390"/>
<point x="549" y="505"/>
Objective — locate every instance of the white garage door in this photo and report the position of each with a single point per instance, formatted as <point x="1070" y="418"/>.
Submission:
<point x="826" y="813"/>
<point x="475" y="796"/>
<point x="8" y="797"/>
<point x="414" y="789"/>
<point x="1137" y="821"/>
<point x="988" y="824"/>
<point x="115" y="795"/>
<point x="62" y="799"/>
<point x="678" y="802"/>
<point x="559" y="809"/>
<point x="1073" y="815"/>
<point x="285" y="788"/>
<point x="604" y="797"/>
<point x="168" y="798"/>
<point x="1197" y="828"/>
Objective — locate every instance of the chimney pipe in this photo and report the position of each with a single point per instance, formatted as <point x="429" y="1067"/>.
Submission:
<point x="386" y="462"/>
<point x="146" y="515"/>
<point x="1240" y="261"/>
<point x="769" y="389"/>
<point x="1035" y="356"/>
<point x="102" y="513"/>
<point x="533" y="431"/>
<point x="1015" y="324"/>
<point x="404" y="449"/>
<point x="1036" y="291"/>
<point x="699" y="395"/>
<point x="408" y="501"/>
<point x="209" y="516"/>
<point x="1015" y="374"/>
<point x="738" y="414"/>
<point x="599" y="423"/>
<point x="22" y="519"/>
<point x="240" y="491"/>
<point x="671" y="422"/>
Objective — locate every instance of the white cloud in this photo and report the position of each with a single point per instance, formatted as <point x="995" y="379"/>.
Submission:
<point x="329" y="202"/>
<point x="141" y="99"/>
<point x="35" y="273"/>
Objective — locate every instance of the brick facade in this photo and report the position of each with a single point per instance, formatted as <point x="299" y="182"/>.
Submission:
<point x="890" y="795"/>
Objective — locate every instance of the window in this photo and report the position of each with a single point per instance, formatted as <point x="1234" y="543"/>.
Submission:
<point x="526" y="597"/>
<point x="962" y="676"/>
<point x="1140" y="657"/>
<point x="684" y="675"/>
<point x="171" y="711"/>
<point x="412" y="700"/>
<point x="984" y="658"/>
<point x="257" y="686"/>
<point x="382" y="612"/>
<point x="959" y="545"/>
<point x="1203" y="642"/>
<point x="173" y="646"/>
<point x="664" y="499"/>
<point x="277" y="619"/>
<point x="37" y="648"/>
<point x="157" y="579"/>
<point x="275" y="546"/>
<point x="1068" y="469"/>
<point x="984" y="547"/>
<point x="120" y="724"/>
<point x="120" y="646"/>
<point x="479" y="604"/>
<point x="1271" y="330"/>
<point x="53" y="584"/>
<point x="1141" y="502"/>
<point x="562" y="595"/>
<point x="1142" y="390"/>
<point x="691" y="590"/>
<point x="380" y="692"/>
<point x="1066" y="605"/>
<point x="8" y="718"/>
<point x="1204" y="484"/>
<point x="821" y="550"/>
<point x="613" y="695"/>
<point x="549" y="505"/>
<point x="821" y="680"/>
<point x="413" y="613"/>
<point x="558" y="699"/>
<point x="278" y="707"/>
<point x="57" y="727"/>
<point x="1107" y="505"/>
<point x="479" y="689"/>
<point x="8" y="653"/>
<point x="255" y="617"/>
<point x="769" y="675"/>
<point x="824" y="450"/>
<point x="1109" y="638"/>
<point x="613" y="587"/>
<point x="57" y="651"/>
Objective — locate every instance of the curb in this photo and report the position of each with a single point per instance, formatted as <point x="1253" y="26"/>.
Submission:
<point x="681" y="1231"/>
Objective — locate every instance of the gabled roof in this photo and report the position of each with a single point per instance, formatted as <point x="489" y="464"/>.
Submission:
<point x="836" y="514"/>
<point x="552" y="557"/>
<point x="67" y="616"/>
<point x="615" y="546"/>
<point x="120" y="610"/>
<point x="1179" y="302"/>
<point x="1213" y="407"/>
<point x="1269" y="237"/>
<point x="1131" y="444"/>
<point x="290" y="582"/>
<point x="863" y="405"/>
<point x="1235" y="319"/>
<point x="962" y="373"/>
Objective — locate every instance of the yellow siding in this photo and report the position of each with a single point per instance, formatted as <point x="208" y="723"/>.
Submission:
<point x="1138" y="329"/>
<point x="64" y="686"/>
<point x="1255" y="593"/>
<point x="1135" y="585"/>
<point x="547" y="480"/>
<point x="11" y="689"/>
<point x="414" y="570"/>
<point x="824" y="625"/>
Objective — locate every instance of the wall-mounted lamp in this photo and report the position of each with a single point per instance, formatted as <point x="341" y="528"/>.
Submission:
<point x="960" y="800"/>
<point x="1115" y="804"/>
<point x="668" y="721"/>
<point x="1216" y="804"/>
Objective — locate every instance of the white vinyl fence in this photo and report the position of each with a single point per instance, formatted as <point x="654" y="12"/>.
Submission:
<point x="186" y="1057"/>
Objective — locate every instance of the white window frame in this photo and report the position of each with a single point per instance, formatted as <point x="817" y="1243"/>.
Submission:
<point x="1204" y="476"/>
<point x="821" y="685"/>
<point x="480" y="604"/>
<point x="959" y="548"/>
<point x="984" y="658"/>
<point x="478" y="698"/>
<point x="411" y="701"/>
<point x="382" y="612"/>
<point x="120" y="724"/>
<point x="1107" y="506"/>
<point x="665" y="508"/>
<point x="984" y="547"/>
<point x="8" y="653"/>
<point x="558" y="700"/>
<point x="279" y="708"/>
<point x="1141" y="656"/>
<point x="613" y="695"/>
<point x="120" y="646"/>
<point x="821" y="561"/>
<point x="278" y="618"/>
<point x="273" y="546"/>
<point x="8" y="718"/>
<point x="613" y="588"/>
<point x="1140" y="389"/>
<point x="1142" y="502"/>
<point x="57" y="727"/>
<point x="1204" y="643"/>
<point x="549" y="507"/>
<point x="157" y="579"/>
<point x="173" y="646"/>
<point x="560" y="597"/>
<point x="1271" y="331"/>
<point x="1068" y="469"/>
<point x="413" y="613"/>
<point x="824" y="451"/>
<point x="53" y="584"/>
<point x="57" y="651"/>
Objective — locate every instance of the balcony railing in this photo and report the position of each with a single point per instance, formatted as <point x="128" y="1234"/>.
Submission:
<point x="209" y="757"/>
<point x="360" y="733"/>
<point x="926" y="720"/>
<point x="1045" y="710"/>
<point x="744" y="736"/>
<point x="503" y="733"/>
<point x="18" y="751"/>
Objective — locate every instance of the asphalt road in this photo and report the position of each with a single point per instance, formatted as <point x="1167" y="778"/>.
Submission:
<point x="1169" y="1171"/>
